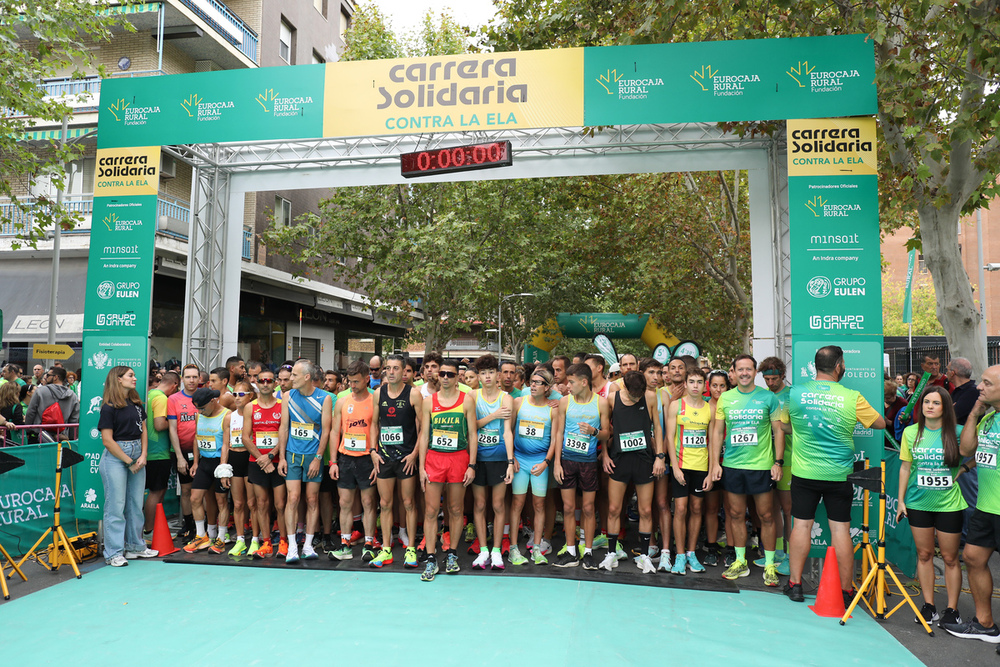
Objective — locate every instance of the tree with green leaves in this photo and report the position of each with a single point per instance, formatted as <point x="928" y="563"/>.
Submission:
<point x="925" y="322"/>
<point x="938" y="63"/>
<point x="38" y="41"/>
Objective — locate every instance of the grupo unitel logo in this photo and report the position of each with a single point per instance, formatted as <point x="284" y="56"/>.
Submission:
<point x="836" y="322"/>
<point x="106" y="289"/>
<point x="819" y="287"/>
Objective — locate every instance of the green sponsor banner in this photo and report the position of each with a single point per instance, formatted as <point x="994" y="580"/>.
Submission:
<point x="27" y="498"/>
<point x="908" y="301"/>
<point x="533" y="355"/>
<point x="835" y="255"/>
<point x="101" y="352"/>
<point x="588" y="325"/>
<point x="233" y="105"/>
<point x="757" y="79"/>
<point x="606" y="348"/>
<point x="120" y="265"/>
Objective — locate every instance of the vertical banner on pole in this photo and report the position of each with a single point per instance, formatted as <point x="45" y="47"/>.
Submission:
<point x="119" y="294"/>
<point x="836" y="266"/>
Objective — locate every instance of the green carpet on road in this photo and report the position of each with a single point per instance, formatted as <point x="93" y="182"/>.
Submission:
<point x="154" y="614"/>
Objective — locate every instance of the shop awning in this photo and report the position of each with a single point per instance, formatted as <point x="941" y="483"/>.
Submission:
<point x="24" y="299"/>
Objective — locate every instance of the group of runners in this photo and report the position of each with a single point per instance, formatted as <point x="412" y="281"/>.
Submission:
<point x="398" y="458"/>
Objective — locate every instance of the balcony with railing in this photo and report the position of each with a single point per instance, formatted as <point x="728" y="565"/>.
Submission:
<point x="228" y="25"/>
<point x="15" y="222"/>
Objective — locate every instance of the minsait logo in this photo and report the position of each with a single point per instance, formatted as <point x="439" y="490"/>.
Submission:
<point x="837" y="322"/>
<point x="819" y="287"/>
<point x="106" y="289"/>
<point x="723" y="85"/>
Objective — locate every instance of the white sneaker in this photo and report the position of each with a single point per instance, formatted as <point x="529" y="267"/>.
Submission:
<point x="645" y="564"/>
<point x="117" y="561"/>
<point x="654" y="551"/>
<point x="481" y="560"/>
<point x="546" y="547"/>
<point x="665" y="564"/>
<point x="404" y="537"/>
<point x="145" y="553"/>
<point x="496" y="560"/>
<point x="531" y="539"/>
<point x="609" y="562"/>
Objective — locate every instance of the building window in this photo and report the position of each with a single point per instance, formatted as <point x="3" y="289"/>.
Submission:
<point x="285" y="35"/>
<point x="80" y="176"/>
<point x="921" y="267"/>
<point x="320" y="6"/>
<point x="345" y="23"/>
<point x="318" y="59"/>
<point x="282" y="212"/>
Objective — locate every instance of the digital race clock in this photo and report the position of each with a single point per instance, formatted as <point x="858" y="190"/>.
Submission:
<point x="458" y="158"/>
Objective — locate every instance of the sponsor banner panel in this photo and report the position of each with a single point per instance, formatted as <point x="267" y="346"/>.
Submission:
<point x="468" y="92"/>
<point x="101" y="352"/>
<point x="233" y="105"/>
<point x="730" y="81"/>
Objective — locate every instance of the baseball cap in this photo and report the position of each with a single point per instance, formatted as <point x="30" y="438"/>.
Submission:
<point x="614" y="368"/>
<point x="204" y="396"/>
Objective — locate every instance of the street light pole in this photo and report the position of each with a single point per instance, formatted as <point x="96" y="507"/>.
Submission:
<point x="500" y="321"/>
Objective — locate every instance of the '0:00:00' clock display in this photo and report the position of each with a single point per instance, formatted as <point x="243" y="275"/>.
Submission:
<point x="458" y="158"/>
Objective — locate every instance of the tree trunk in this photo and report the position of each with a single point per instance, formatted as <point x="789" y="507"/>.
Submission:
<point x="956" y="307"/>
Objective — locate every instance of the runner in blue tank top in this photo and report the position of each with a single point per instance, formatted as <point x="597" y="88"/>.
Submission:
<point x="211" y="433"/>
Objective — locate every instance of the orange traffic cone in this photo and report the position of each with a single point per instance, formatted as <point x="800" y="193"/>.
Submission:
<point x="829" y="597"/>
<point x="162" y="541"/>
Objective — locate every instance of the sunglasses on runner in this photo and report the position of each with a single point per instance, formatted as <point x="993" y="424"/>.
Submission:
<point x="240" y="394"/>
<point x="265" y="380"/>
<point x="539" y="382"/>
<point x="447" y="374"/>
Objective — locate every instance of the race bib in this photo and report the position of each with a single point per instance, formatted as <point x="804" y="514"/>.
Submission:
<point x="206" y="442"/>
<point x="267" y="440"/>
<point x="934" y="481"/>
<point x="742" y="437"/>
<point x="489" y="437"/>
<point x="986" y="459"/>
<point x="300" y="431"/>
<point x="694" y="439"/>
<point x="236" y="438"/>
<point x="355" y="442"/>
<point x="575" y="442"/>
<point x="633" y="441"/>
<point x="529" y="429"/>
<point x="391" y="435"/>
<point x="445" y="441"/>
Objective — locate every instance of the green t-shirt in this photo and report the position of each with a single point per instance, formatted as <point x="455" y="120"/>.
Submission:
<point x="782" y="397"/>
<point x="931" y="486"/>
<point x="157" y="442"/>
<point x="986" y="463"/>
<point x="748" y="427"/>
<point x="823" y="415"/>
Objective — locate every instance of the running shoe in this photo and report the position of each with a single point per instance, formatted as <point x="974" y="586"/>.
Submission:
<point x="383" y="558"/>
<point x="546" y="547"/>
<point x="738" y="569"/>
<point x="784" y="568"/>
<point x="531" y="539"/>
<point x="588" y="561"/>
<point x="481" y="560"/>
<point x="239" y="548"/>
<point x="505" y="545"/>
<point x="145" y="553"/>
<point x="264" y="551"/>
<point x="368" y="553"/>
<point x="309" y="553"/>
<point x="974" y="630"/>
<point x="470" y="532"/>
<point x="848" y="597"/>
<point x="771" y="575"/>
<point x="712" y="557"/>
<point x="282" y="548"/>
<point x="665" y="565"/>
<point x="293" y="556"/>
<point x="620" y="553"/>
<point x="609" y="562"/>
<point x="199" y="543"/>
<point x="217" y="546"/>
<point x="474" y="547"/>
<point x="496" y="560"/>
<point x="680" y="565"/>
<point x="794" y="592"/>
<point x="654" y="551"/>
<point x="404" y="537"/>
<point x="779" y="557"/>
<point x="559" y="517"/>
<point x="410" y="558"/>
<point x="645" y="564"/>
<point x="356" y="537"/>
<point x="600" y="541"/>
<point x="565" y="559"/>
<point x="515" y="557"/>
<point x="117" y="561"/>
<point x="430" y="570"/>
<point x="343" y="553"/>
<point x="451" y="564"/>
<point x="446" y="541"/>
<point x="538" y="556"/>
<point x="254" y="548"/>
<point x="692" y="562"/>
<point x="951" y="616"/>
<point x="928" y="612"/>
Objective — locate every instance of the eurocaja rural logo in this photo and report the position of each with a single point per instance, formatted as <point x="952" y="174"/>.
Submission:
<point x="710" y="79"/>
<point x="822" y="208"/>
<point x="278" y="106"/>
<point x="628" y="88"/>
<point x="199" y="108"/>
<point x="820" y="81"/>
<point x="127" y="113"/>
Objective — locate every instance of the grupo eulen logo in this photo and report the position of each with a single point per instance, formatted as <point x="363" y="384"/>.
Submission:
<point x="819" y="287"/>
<point x="106" y="290"/>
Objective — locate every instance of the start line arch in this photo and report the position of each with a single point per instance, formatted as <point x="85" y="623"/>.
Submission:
<point x="566" y="112"/>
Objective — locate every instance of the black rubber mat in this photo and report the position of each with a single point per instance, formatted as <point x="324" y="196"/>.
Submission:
<point x="625" y="573"/>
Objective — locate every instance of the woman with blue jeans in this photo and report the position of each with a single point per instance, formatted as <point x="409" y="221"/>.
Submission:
<point x="122" y="468"/>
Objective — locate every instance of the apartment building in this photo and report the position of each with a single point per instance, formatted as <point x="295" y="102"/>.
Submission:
<point x="280" y="316"/>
